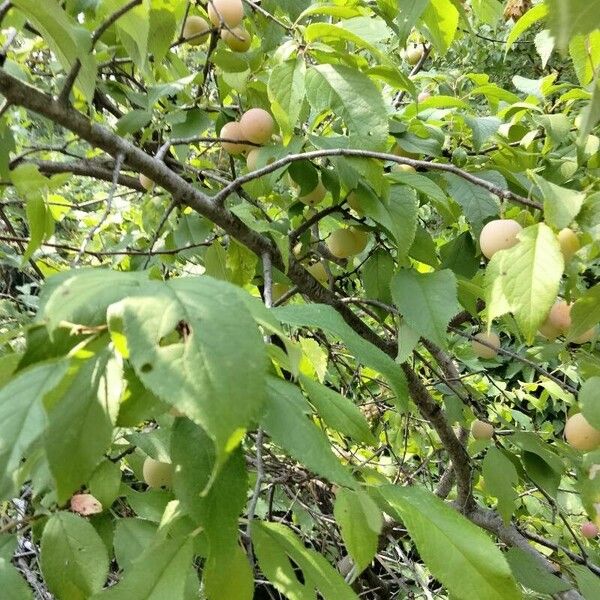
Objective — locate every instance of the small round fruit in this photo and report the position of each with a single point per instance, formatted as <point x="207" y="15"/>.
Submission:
<point x="559" y="317"/>
<point x="413" y="54"/>
<point x="569" y="243"/>
<point x="361" y="239"/>
<point x="157" y="474"/>
<point x="195" y="30"/>
<point x="590" y="334"/>
<point x="85" y="504"/>
<point x="499" y="234"/>
<point x="481" y="430"/>
<point x="398" y="168"/>
<point x="314" y="197"/>
<point x="483" y="351"/>
<point x="580" y="434"/>
<point x="230" y="11"/>
<point x="238" y="39"/>
<point x="354" y="203"/>
<point x="342" y="243"/>
<point x="317" y="270"/>
<point x="589" y="530"/>
<point x="146" y="182"/>
<point x="233" y="131"/>
<point x="257" y="125"/>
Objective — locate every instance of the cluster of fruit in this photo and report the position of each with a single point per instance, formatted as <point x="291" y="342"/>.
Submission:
<point x="226" y="15"/>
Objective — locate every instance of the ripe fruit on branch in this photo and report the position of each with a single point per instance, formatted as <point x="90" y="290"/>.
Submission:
<point x="195" y="30"/>
<point x="558" y="323"/>
<point x="257" y="125"/>
<point x="398" y="168"/>
<point x="85" y="504"/>
<point x="231" y="12"/>
<point x="316" y="196"/>
<point x="157" y="474"/>
<point x="483" y="351"/>
<point x="317" y="270"/>
<point x="569" y="243"/>
<point x="413" y="54"/>
<point x="481" y="430"/>
<point x="580" y="434"/>
<point x="233" y="131"/>
<point x="499" y="234"/>
<point x="343" y="243"/>
<point x="252" y="159"/>
<point x="589" y="530"/>
<point x="238" y="39"/>
<point x="146" y="182"/>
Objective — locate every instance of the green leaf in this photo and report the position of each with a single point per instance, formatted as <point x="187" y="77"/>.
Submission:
<point x="441" y="21"/>
<point x="585" y="313"/>
<point x="460" y="255"/>
<point x="132" y="537"/>
<point x="83" y="296"/>
<point x="285" y="420"/>
<point x="591" y="113"/>
<point x="360" y="521"/>
<point x="22" y="417"/>
<point x="588" y="400"/>
<point x="163" y="28"/>
<point x="376" y="274"/>
<point x="228" y="575"/>
<point x="81" y="415"/>
<point x="570" y="17"/>
<point x="531" y="17"/>
<point x="275" y="546"/>
<point x="483" y="128"/>
<point x="561" y="205"/>
<point x="12" y="584"/>
<point x="286" y="90"/>
<point x="68" y="42"/>
<point x="337" y="411"/>
<point x="74" y="560"/>
<point x="159" y="572"/>
<point x="477" y="203"/>
<point x="457" y="552"/>
<point x="408" y="14"/>
<point x="587" y="582"/>
<point x="525" y="279"/>
<point x="427" y="301"/>
<point x="500" y="478"/>
<point x="421" y="183"/>
<point x="133" y="121"/>
<point x="105" y="482"/>
<point x="327" y="318"/>
<point x="350" y="94"/>
<point x="530" y="573"/>
<point x="186" y="347"/>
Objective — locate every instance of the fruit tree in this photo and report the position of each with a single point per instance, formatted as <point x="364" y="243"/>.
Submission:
<point x="299" y="299"/>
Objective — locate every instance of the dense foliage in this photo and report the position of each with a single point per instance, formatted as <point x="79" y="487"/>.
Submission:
<point x="299" y="299"/>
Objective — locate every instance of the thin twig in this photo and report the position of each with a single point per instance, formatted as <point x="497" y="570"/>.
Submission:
<point x="107" y="210"/>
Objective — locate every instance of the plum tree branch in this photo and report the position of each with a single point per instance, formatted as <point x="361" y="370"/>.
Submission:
<point x="501" y="193"/>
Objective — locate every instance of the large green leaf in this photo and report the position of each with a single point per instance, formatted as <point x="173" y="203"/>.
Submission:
<point x="13" y="586"/>
<point x="81" y="415"/>
<point x="132" y="537"/>
<point x="327" y="318"/>
<point x="585" y="313"/>
<point x="531" y="17"/>
<point x="286" y="94"/>
<point x="561" y="205"/>
<point x="338" y="411"/>
<point x="286" y="421"/>
<point x="275" y="546"/>
<point x="427" y="301"/>
<point x="588" y="399"/>
<point x="500" y="478"/>
<point x="22" y="416"/>
<point x="441" y="21"/>
<point x="457" y="552"/>
<point x="570" y="17"/>
<point x="193" y="342"/>
<point x="524" y="279"/>
<point x="360" y="521"/>
<point x="350" y="94"/>
<point x="158" y="573"/>
<point x="74" y="560"/>
<point x="69" y="42"/>
<point x="530" y="573"/>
